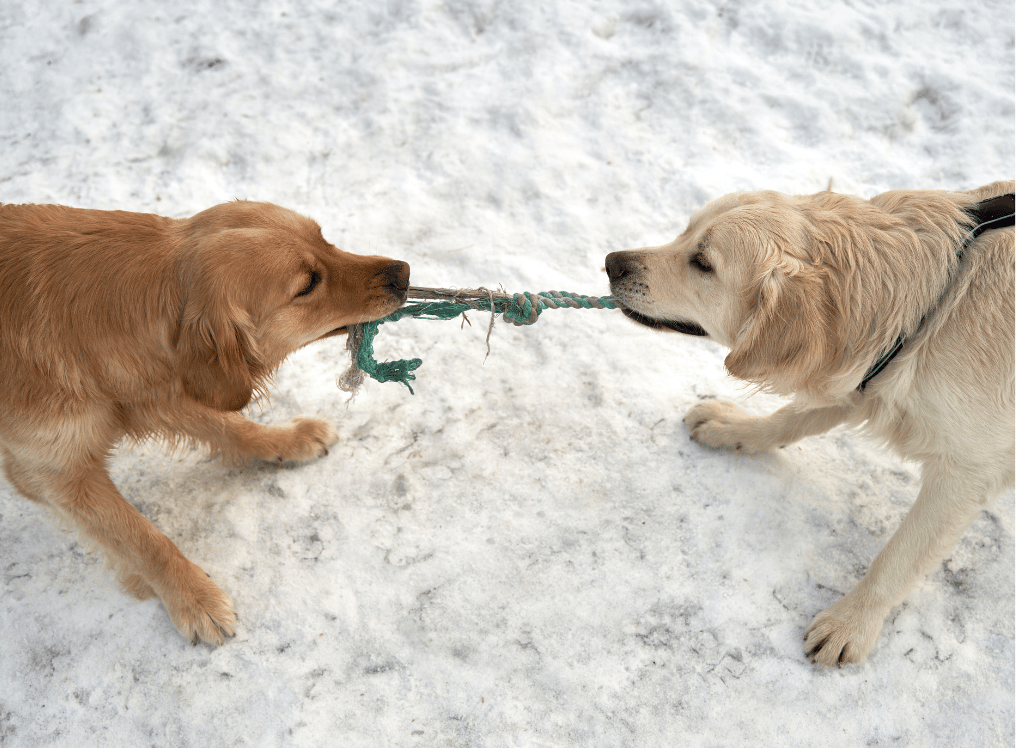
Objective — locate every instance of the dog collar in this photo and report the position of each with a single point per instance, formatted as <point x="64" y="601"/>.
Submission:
<point x="988" y="215"/>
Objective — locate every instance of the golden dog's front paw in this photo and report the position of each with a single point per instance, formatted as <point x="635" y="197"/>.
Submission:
<point x="303" y="440"/>
<point x="198" y="608"/>
<point x="842" y="634"/>
<point x="722" y="425"/>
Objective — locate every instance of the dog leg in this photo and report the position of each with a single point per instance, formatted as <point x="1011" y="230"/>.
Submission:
<point x="234" y="436"/>
<point x="20" y="478"/>
<point x="948" y="503"/>
<point x="721" y="424"/>
<point x="145" y="557"/>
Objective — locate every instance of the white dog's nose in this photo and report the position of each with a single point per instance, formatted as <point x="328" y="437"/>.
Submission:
<point x="616" y="265"/>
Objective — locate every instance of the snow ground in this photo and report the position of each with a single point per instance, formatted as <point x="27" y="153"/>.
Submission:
<point x="529" y="551"/>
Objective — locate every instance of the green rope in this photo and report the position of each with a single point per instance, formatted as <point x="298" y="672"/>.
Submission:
<point x="518" y="309"/>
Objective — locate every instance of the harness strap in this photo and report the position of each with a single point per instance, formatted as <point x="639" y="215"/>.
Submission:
<point x="988" y="215"/>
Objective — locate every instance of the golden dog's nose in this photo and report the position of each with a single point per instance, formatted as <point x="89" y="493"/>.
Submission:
<point x="396" y="277"/>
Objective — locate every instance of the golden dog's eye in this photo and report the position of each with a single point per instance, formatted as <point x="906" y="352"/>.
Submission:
<point x="314" y="281"/>
<point x="700" y="262"/>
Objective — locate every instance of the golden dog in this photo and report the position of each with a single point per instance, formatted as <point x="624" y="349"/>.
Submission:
<point x="895" y="314"/>
<point x="117" y="324"/>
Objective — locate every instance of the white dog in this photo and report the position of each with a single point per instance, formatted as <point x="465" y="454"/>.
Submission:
<point x="894" y="313"/>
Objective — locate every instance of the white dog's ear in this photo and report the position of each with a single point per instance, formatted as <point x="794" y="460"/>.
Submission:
<point x="793" y="339"/>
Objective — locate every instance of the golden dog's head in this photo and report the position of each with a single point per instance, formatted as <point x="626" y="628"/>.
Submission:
<point x="260" y="281"/>
<point x="746" y="274"/>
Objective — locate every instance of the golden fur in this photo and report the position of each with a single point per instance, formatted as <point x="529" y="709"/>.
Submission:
<point x="808" y="292"/>
<point x="122" y="324"/>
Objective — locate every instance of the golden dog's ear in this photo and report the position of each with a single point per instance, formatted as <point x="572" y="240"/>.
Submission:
<point x="793" y="338"/>
<point x="219" y="361"/>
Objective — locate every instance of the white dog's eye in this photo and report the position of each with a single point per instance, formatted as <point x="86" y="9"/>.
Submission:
<point x="700" y="262"/>
<point x="314" y="281"/>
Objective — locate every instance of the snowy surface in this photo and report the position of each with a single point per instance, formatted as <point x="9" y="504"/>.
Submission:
<point x="529" y="551"/>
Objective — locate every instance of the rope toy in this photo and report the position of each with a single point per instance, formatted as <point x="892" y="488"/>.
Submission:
<point x="441" y="304"/>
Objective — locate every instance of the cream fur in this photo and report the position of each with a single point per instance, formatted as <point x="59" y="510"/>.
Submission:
<point x="808" y="291"/>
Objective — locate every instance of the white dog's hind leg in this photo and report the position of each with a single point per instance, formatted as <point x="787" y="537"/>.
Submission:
<point x="951" y="497"/>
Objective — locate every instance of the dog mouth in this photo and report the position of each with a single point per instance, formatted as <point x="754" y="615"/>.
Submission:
<point x="393" y="300"/>
<point x="333" y="333"/>
<point x="686" y="328"/>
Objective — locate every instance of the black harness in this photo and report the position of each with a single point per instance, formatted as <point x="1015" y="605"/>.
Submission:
<point x="994" y="213"/>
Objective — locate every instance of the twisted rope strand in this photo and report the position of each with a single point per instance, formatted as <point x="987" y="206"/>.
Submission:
<point x="519" y="308"/>
<point x="441" y="304"/>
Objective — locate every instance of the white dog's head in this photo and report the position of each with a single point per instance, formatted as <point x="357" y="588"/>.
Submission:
<point x="743" y="274"/>
<point x="806" y="291"/>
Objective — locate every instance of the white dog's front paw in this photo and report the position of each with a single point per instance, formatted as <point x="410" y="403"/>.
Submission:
<point x="844" y="633"/>
<point x="722" y="425"/>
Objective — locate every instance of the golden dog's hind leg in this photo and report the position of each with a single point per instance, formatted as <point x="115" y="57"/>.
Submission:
<point x="949" y="501"/>
<point x="145" y="557"/>
<point x="722" y="425"/>
<point x="20" y="478"/>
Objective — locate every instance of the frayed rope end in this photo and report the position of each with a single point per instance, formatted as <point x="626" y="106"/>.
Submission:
<point x="360" y="347"/>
